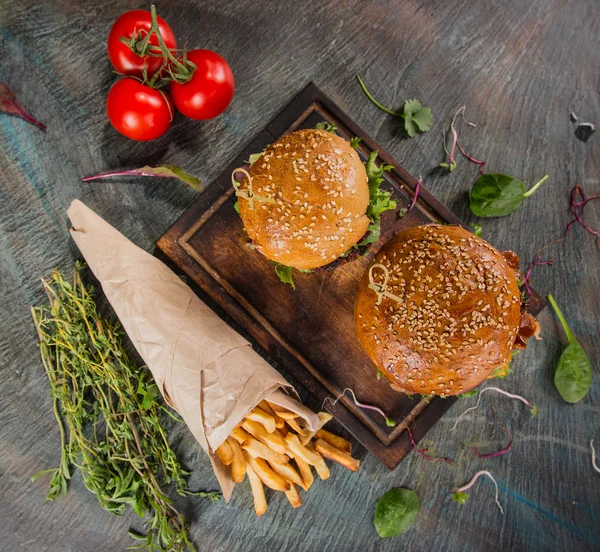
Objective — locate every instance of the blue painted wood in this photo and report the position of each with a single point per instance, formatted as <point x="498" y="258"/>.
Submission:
<point x="519" y="67"/>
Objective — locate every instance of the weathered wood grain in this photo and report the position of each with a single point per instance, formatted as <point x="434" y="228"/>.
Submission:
<point x="519" y="67"/>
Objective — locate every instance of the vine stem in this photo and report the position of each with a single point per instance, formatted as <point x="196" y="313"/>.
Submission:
<point x="474" y="480"/>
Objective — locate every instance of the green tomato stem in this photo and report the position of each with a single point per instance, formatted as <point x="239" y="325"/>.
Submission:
<point x="565" y="326"/>
<point x="383" y="108"/>
<point x="163" y="47"/>
<point x="536" y="186"/>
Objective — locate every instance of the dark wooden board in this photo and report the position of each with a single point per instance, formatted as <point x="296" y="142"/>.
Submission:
<point x="310" y="330"/>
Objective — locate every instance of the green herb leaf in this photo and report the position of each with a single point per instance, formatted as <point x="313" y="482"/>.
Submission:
<point x="355" y="142"/>
<point x="254" y="157"/>
<point x="379" y="200"/>
<point x="461" y="498"/>
<point x="477" y="230"/>
<point x="236" y="206"/>
<point x="573" y="376"/>
<point x="417" y="118"/>
<point x="327" y="127"/>
<point x="468" y="394"/>
<point x="379" y="374"/>
<point x="284" y="273"/>
<point x="498" y="195"/>
<point x="402" y="212"/>
<point x="114" y="433"/>
<point x="395" y="512"/>
<point x="389" y="422"/>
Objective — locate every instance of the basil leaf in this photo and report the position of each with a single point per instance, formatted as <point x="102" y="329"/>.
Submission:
<point x="498" y="195"/>
<point x="395" y="512"/>
<point x="573" y="376"/>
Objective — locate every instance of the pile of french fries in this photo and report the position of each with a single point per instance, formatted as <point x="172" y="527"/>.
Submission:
<point x="274" y="449"/>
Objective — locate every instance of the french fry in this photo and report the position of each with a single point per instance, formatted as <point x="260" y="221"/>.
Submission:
<point x="225" y="453"/>
<point x="325" y="416"/>
<point x="238" y="464"/>
<point x="283" y="412"/>
<point x="337" y="455"/>
<point x="258" y="491"/>
<point x="272" y="440"/>
<point x="293" y="444"/>
<point x="287" y="472"/>
<point x="334" y="440"/>
<point x="260" y="416"/>
<point x="256" y="449"/>
<point x="308" y="435"/>
<point x="320" y="467"/>
<point x="240" y="435"/>
<point x="293" y="496"/>
<point x="296" y="427"/>
<point x="264" y="405"/>
<point x="279" y="422"/>
<point x="306" y="473"/>
<point x="283" y="431"/>
<point x="267" y="475"/>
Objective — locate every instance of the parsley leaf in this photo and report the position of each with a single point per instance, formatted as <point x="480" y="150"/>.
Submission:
<point x="417" y="118"/>
<point x="285" y="274"/>
<point x="327" y="127"/>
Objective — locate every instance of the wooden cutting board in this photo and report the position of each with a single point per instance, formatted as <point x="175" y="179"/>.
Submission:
<point x="309" y="330"/>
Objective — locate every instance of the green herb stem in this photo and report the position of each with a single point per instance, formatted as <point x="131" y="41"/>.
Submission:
<point x="111" y="410"/>
<point x="565" y="326"/>
<point x="368" y="94"/>
<point x="535" y="186"/>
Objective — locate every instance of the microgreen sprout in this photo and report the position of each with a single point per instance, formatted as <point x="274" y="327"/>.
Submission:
<point x="498" y="453"/>
<point x="423" y="451"/>
<point x="461" y="496"/>
<point x="162" y="171"/>
<point x="450" y="148"/>
<point x="578" y="203"/>
<point x="533" y="409"/>
<point x="594" y="465"/>
<point x="388" y="421"/>
<point x="10" y="105"/>
<point x="536" y="262"/>
<point x="417" y="190"/>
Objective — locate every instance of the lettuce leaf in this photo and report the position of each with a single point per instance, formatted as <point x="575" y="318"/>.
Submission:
<point x="284" y="273"/>
<point x="380" y="200"/>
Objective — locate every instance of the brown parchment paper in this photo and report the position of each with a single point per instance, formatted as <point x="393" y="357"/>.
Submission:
<point x="204" y="369"/>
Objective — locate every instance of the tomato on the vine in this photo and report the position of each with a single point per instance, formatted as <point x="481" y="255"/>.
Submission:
<point x="209" y="91"/>
<point x="122" y="57"/>
<point x="138" y="111"/>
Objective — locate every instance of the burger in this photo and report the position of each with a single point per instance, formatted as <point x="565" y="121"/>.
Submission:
<point x="439" y="311"/>
<point x="308" y="201"/>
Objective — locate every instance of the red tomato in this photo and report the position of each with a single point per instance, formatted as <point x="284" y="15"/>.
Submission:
<point x="210" y="89"/>
<point x="138" y="111"/>
<point x="123" y="59"/>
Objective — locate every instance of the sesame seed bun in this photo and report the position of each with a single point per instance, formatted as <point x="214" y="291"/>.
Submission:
<point x="454" y="317"/>
<point x="321" y="195"/>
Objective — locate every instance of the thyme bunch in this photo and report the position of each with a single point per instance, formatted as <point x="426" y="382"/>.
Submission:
<point x="109" y="415"/>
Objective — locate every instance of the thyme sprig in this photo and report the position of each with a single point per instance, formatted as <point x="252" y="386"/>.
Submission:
<point x="109" y="414"/>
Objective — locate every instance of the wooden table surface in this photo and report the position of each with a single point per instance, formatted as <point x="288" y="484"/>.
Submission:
<point x="519" y="67"/>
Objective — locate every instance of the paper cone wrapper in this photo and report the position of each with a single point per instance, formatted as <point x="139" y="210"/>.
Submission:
<point x="204" y="369"/>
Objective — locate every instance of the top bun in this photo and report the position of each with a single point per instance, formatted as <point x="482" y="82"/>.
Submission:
<point x="454" y="317"/>
<point x="320" y="192"/>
